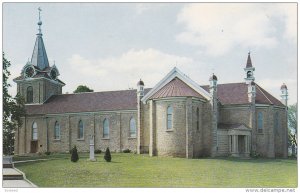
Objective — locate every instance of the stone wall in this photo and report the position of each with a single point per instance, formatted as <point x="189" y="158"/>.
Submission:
<point x="42" y="89"/>
<point x="206" y="128"/>
<point x="223" y="140"/>
<point x="235" y="114"/>
<point x="119" y="137"/>
<point x="171" y="142"/>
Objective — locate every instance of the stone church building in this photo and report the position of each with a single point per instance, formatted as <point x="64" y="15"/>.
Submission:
<point x="177" y="117"/>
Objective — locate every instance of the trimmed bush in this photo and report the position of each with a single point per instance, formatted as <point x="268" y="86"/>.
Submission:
<point x="97" y="151"/>
<point x="107" y="155"/>
<point x="74" y="157"/>
<point x="254" y="154"/>
<point x="126" y="151"/>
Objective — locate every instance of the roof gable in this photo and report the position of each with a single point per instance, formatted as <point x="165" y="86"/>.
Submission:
<point x="176" y="88"/>
<point x="237" y="93"/>
<point x="175" y="72"/>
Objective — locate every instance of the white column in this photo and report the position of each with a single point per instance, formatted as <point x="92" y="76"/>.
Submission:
<point x="235" y="146"/>
<point x="92" y="148"/>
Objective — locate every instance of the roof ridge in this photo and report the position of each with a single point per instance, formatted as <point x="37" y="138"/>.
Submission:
<point x="264" y="94"/>
<point x="226" y="83"/>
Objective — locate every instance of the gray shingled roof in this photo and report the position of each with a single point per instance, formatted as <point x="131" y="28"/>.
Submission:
<point x="39" y="56"/>
<point x="176" y="88"/>
<point x="87" y="102"/>
<point x="233" y="93"/>
<point x="237" y="93"/>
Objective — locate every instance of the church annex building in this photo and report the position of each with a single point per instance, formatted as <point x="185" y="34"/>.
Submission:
<point x="177" y="117"/>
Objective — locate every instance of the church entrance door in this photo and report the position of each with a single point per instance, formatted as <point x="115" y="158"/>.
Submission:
<point x="33" y="146"/>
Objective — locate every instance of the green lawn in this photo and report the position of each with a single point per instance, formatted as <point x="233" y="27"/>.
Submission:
<point x="131" y="170"/>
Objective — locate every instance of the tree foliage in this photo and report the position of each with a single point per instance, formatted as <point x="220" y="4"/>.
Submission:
<point x="13" y="111"/>
<point x="292" y="123"/>
<point x="83" y="88"/>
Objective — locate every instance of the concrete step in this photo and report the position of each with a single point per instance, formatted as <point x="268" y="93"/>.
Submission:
<point x="7" y="162"/>
<point x="11" y="174"/>
<point x="8" y="165"/>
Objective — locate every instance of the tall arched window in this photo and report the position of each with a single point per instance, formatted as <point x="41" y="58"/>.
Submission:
<point x="56" y="130"/>
<point x="260" y="122"/>
<point x="80" y="130"/>
<point x="169" y="117"/>
<point x="198" y="117"/>
<point x="132" y="131"/>
<point x="29" y="94"/>
<point x="34" y="131"/>
<point x="105" y="128"/>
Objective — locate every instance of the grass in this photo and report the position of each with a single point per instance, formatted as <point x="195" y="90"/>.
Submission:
<point x="131" y="170"/>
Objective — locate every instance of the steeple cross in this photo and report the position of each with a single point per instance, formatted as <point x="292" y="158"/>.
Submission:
<point x="39" y="13"/>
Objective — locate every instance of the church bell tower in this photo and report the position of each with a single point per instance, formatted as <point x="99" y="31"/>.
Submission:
<point x="38" y="81"/>
<point x="249" y="71"/>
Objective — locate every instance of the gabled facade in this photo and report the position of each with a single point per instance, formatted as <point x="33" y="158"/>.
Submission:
<point x="177" y="117"/>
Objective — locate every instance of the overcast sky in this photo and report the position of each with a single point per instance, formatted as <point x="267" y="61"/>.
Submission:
<point x="110" y="46"/>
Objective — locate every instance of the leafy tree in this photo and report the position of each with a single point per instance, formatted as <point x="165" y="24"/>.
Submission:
<point x="74" y="157"/>
<point x="107" y="155"/>
<point x="13" y="111"/>
<point x="83" y="88"/>
<point x="293" y="131"/>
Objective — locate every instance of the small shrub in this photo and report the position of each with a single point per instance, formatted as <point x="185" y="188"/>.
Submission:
<point x="98" y="151"/>
<point x="47" y="153"/>
<point x="254" y="154"/>
<point x="74" y="157"/>
<point x="107" y="155"/>
<point x="126" y="151"/>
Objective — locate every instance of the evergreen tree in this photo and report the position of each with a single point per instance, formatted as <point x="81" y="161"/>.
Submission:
<point x="13" y="111"/>
<point x="107" y="155"/>
<point x="74" y="157"/>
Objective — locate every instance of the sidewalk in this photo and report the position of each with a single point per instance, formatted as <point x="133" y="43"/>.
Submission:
<point x="12" y="177"/>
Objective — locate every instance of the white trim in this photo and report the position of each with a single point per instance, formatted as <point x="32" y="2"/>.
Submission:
<point x="175" y="72"/>
<point x="30" y="79"/>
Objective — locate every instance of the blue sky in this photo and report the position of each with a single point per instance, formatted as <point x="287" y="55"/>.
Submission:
<point x="110" y="46"/>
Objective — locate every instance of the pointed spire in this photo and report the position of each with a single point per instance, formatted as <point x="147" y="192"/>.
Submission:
<point x="39" y="56"/>
<point x="249" y="63"/>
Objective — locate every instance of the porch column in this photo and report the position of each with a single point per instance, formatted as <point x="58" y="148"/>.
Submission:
<point x="229" y="144"/>
<point x="235" y="152"/>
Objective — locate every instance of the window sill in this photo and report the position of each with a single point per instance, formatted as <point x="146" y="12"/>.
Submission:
<point x="169" y="130"/>
<point x="131" y="137"/>
<point x="56" y="139"/>
<point x="105" y="138"/>
<point x="80" y="139"/>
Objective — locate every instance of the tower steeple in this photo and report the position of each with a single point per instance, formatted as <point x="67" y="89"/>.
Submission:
<point x="249" y="70"/>
<point x="39" y="56"/>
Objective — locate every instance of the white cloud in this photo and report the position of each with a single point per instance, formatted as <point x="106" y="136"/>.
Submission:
<point x="123" y="71"/>
<point x="220" y="27"/>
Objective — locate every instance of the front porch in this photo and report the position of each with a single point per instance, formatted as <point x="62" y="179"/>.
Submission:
<point x="238" y="138"/>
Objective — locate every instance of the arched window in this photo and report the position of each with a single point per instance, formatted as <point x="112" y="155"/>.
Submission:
<point x="276" y="122"/>
<point x="249" y="74"/>
<point x="34" y="131"/>
<point x="105" y="128"/>
<point x="132" y="132"/>
<point x="56" y="130"/>
<point x="198" y="117"/>
<point x="80" y="130"/>
<point x="29" y="94"/>
<point x="169" y="117"/>
<point x="260" y="122"/>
